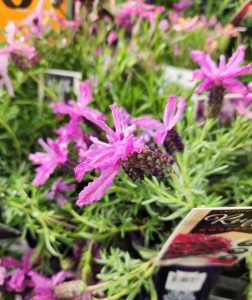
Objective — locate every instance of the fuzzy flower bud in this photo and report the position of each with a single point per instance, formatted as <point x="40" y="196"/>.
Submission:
<point x="216" y="97"/>
<point x="70" y="289"/>
<point x="20" y="60"/>
<point x="151" y="161"/>
<point x="173" y="142"/>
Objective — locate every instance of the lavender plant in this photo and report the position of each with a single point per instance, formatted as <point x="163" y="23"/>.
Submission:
<point x="112" y="180"/>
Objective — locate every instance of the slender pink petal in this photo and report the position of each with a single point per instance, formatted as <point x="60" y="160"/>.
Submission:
<point x="222" y="62"/>
<point x="235" y="86"/>
<point x="148" y="122"/>
<point x="17" y="281"/>
<point x="159" y="137"/>
<point x="236" y="59"/>
<point x="85" y="93"/>
<point x="10" y="262"/>
<point x="198" y="75"/>
<point x="3" y="275"/>
<point x="170" y="109"/>
<point x="96" y="189"/>
<point x="116" y="117"/>
<point x="60" y="277"/>
<point x="205" y="85"/>
<point x="10" y="31"/>
<point x="179" y="113"/>
<point x="235" y="73"/>
<point x="210" y="65"/>
<point x="198" y="56"/>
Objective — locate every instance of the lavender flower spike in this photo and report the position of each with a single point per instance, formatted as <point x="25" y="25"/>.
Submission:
<point x="107" y="157"/>
<point x="220" y="78"/>
<point x="123" y="150"/>
<point x="164" y="133"/>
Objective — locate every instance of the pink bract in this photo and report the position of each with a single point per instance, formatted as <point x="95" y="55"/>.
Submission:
<point x="172" y="114"/>
<point x="44" y="286"/>
<point x="223" y="74"/>
<point x="54" y="155"/>
<point x="77" y="109"/>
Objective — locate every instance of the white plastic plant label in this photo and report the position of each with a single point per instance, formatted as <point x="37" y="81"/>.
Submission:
<point x="60" y="82"/>
<point x="185" y="281"/>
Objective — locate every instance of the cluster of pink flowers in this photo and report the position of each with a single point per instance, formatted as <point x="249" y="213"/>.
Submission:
<point x="23" y="278"/>
<point x="124" y="16"/>
<point x="107" y="149"/>
<point x="16" y="50"/>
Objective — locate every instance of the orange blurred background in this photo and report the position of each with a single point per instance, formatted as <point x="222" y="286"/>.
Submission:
<point x="17" y="14"/>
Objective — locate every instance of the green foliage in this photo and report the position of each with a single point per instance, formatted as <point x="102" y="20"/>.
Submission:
<point x="133" y="220"/>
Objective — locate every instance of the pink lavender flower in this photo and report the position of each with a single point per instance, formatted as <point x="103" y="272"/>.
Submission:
<point x="18" y="280"/>
<point x="58" y="191"/>
<point x="188" y="24"/>
<point x="163" y="24"/>
<point x="107" y="158"/>
<point x="36" y="20"/>
<point x="54" y="155"/>
<point x="231" y="106"/>
<point x="44" y="286"/>
<point x="16" y="46"/>
<point x="229" y="30"/>
<point x="3" y="275"/>
<point x="76" y="23"/>
<point x="208" y="23"/>
<point x="137" y="8"/>
<point x="243" y="106"/>
<point x="123" y="150"/>
<point x="71" y="132"/>
<point x="223" y="75"/>
<point x="164" y="132"/>
<point x="218" y="79"/>
<point x="182" y="5"/>
<point x="4" y="77"/>
<point x="79" y="109"/>
<point x="112" y="37"/>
